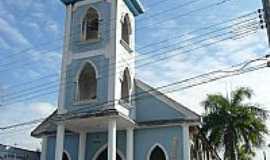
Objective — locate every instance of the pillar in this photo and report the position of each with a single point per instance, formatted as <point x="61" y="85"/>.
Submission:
<point x="112" y="139"/>
<point x="59" y="141"/>
<point x="185" y="140"/>
<point x="82" y="145"/>
<point x="44" y="143"/>
<point x="130" y="144"/>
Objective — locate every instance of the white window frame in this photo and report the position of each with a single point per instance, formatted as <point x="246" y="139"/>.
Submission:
<point x="67" y="153"/>
<point x="160" y="146"/>
<point x="77" y="100"/>
<point x="83" y="34"/>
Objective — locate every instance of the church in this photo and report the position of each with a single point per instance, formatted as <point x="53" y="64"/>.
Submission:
<point x="104" y="112"/>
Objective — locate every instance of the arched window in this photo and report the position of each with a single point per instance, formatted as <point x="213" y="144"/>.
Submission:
<point x="126" y="30"/>
<point x="87" y="83"/>
<point x="157" y="153"/>
<point x="90" y="25"/>
<point x="125" y="86"/>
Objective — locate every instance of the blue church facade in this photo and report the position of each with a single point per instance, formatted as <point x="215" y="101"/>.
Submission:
<point x="104" y="112"/>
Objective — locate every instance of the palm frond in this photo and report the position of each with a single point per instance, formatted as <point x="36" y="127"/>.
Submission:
<point x="240" y="94"/>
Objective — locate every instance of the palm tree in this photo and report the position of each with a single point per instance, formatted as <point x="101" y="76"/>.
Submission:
<point x="230" y="123"/>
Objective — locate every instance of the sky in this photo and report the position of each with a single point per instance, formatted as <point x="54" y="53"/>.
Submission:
<point x="31" y="41"/>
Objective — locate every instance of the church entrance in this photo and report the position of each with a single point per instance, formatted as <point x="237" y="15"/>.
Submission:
<point x="103" y="155"/>
<point x="65" y="156"/>
<point x="157" y="154"/>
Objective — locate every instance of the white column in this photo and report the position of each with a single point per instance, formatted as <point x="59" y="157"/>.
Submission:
<point x="185" y="140"/>
<point x="82" y="145"/>
<point x="44" y="148"/>
<point x="59" y="141"/>
<point x="65" y="59"/>
<point x="130" y="144"/>
<point x="112" y="139"/>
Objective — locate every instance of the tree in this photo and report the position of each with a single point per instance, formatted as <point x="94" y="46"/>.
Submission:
<point x="233" y="124"/>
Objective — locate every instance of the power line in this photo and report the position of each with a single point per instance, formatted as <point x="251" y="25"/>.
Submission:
<point x="159" y="42"/>
<point x="107" y="24"/>
<point x="178" y="16"/>
<point x="19" y="97"/>
<point x="162" y="58"/>
<point x="191" y="82"/>
<point x="164" y="41"/>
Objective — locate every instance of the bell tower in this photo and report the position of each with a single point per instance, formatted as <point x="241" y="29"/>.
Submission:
<point x="98" y="64"/>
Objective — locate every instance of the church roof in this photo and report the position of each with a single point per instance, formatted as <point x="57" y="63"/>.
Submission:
<point x="48" y="126"/>
<point x="191" y="115"/>
<point x="134" y="5"/>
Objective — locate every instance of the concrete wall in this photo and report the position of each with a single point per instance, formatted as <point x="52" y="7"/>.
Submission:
<point x="101" y="63"/>
<point x="71" y="144"/>
<point x="150" y="108"/>
<point x="94" y="142"/>
<point x="169" y="138"/>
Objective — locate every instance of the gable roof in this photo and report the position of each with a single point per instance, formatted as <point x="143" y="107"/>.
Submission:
<point x="189" y="114"/>
<point x="48" y="125"/>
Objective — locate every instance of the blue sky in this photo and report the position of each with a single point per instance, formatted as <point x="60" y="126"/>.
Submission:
<point x="31" y="40"/>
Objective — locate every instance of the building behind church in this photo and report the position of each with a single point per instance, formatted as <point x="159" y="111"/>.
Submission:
<point x="104" y="111"/>
<point x="15" y="153"/>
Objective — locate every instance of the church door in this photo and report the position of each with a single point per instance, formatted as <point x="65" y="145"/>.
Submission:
<point x="103" y="155"/>
<point x="157" y="154"/>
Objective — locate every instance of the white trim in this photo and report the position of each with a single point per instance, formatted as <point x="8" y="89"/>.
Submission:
<point x="82" y="65"/>
<point x="160" y="146"/>
<point x="68" y="155"/>
<point x="105" y="146"/>
<point x="77" y="94"/>
<point x="61" y="96"/>
<point x="130" y="144"/>
<point x="82" y="146"/>
<point x="112" y="149"/>
<point x="85" y="2"/>
<point x="82" y="34"/>
<point x="60" y="136"/>
<point x="43" y="155"/>
<point x="88" y="54"/>
<point x="186" y="142"/>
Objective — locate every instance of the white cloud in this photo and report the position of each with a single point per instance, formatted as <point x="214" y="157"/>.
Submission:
<point x="41" y="108"/>
<point x="11" y="35"/>
<point x="228" y="53"/>
<point x="19" y="113"/>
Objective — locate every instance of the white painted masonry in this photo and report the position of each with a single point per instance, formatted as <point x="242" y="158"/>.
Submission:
<point x="59" y="141"/>
<point x="82" y="146"/>
<point x="44" y="148"/>
<point x="112" y="139"/>
<point x="61" y="98"/>
<point x="130" y="143"/>
<point x="185" y="139"/>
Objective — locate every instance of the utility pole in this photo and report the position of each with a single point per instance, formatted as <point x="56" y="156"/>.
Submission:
<point x="266" y="11"/>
